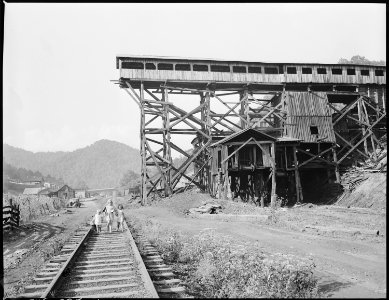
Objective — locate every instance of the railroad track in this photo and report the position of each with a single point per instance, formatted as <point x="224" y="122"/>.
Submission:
<point x="162" y="275"/>
<point x="90" y="265"/>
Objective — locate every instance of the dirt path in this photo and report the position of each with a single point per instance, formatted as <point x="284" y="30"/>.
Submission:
<point x="346" y="268"/>
<point x="23" y="251"/>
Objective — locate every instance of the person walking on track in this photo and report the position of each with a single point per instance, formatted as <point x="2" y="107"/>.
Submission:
<point x="109" y="212"/>
<point x="121" y="217"/>
<point x="97" y="220"/>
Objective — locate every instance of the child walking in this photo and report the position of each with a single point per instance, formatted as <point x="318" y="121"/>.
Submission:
<point x="98" y="221"/>
<point x="109" y="210"/>
<point x="121" y="217"/>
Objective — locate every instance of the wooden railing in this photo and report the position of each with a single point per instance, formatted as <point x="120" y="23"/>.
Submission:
<point x="11" y="216"/>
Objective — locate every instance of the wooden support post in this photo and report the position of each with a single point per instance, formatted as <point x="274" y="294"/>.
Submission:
<point x="246" y="107"/>
<point x="142" y="147"/>
<point x="366" y="115"/>
<point x="244" y="123"/>
<point x="299" y="193"/>
<point x="360" y="117"/>
<point x="219" y="184"/>
<point x="273" y="182"/>
<point x="338" y="180"/>
<point x="201" y="137"/>
<point x="166" y="143"/>
<point x="328" y="169"/>
<point x="207" y="110"/>
<point x="207" y="129"/>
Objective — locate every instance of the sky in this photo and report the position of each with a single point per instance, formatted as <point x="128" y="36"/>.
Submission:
<point x="59" y="58"/>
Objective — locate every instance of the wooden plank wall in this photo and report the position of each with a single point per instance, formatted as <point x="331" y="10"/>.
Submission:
<point x="282" y="77"/>
<point x="307" y="109"/>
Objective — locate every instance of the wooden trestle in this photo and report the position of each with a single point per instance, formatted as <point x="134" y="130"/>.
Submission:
<point x="294" y="131"/>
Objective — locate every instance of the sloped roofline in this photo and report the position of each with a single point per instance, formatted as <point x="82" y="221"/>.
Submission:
<point x="235" y="134"/>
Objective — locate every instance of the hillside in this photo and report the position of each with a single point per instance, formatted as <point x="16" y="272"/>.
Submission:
<point x="12" y="176"/>
<point x="371" y="193"/>
<point x="101" y="164"/>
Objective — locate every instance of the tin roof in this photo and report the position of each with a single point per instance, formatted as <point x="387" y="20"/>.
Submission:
<point x="33" y="191"/>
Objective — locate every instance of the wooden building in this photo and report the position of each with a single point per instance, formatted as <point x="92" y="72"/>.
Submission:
<point x="64" y="192"/>
<point x="293" y="122"/>
<point x="81" y="193"/>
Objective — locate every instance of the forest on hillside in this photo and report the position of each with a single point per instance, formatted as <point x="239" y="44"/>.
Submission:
<point x="99" y="165"/>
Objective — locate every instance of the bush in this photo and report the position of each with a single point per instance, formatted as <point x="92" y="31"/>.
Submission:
<point x="214" y="266"/>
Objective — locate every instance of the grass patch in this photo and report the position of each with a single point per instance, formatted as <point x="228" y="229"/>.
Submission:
<point x="215" y="266"/>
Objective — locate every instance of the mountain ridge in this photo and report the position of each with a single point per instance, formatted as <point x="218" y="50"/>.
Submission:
<point x="102" y="163"/>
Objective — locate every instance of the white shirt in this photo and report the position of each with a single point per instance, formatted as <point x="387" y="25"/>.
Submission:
<point x="97" y="219"/>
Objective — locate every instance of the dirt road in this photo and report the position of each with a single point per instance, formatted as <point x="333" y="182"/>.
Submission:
<point x="346" y="267"/>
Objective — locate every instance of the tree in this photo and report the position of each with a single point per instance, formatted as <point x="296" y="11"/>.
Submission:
<point x="361" y="60"/>
<point x="130" y="178"/>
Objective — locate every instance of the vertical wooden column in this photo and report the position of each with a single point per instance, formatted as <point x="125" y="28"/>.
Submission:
<point x="299" y="192"/>
<point x="207" y="107"/>
<point x="329" y="173"/>
<point x="360" y="118"/>
<point x="283" y="107"/>
<point x="336" y="166"/>
<point x="243" y="98"/>
<point x="366" y="120"/>
<point x="224" y="166"/>
<point x="143" y="190"/>
<point x="383" y="100"/>
<point x="246" y="107"/>
<point x="200" y="137"/>
<point x="273" y="179"/>
<point x="166" y="142"/>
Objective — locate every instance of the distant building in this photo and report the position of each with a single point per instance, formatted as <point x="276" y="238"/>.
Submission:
<point x="64" y="192"/>
<point x="47" y="185"/>
<point x="132" y="190"/>
<point x="81" y="193"/>
<point x="32" y="182"/>
<point x="36" y="191"/>
<point x="45" y="192"/>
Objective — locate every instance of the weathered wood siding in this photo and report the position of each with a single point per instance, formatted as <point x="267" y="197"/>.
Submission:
<point x="305" y="110"/>
<point x="282" y="76"/>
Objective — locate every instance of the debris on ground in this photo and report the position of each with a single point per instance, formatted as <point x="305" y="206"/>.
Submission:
<point x="356" y="175"/>
<point x="206" y="208"/>
<point x="366" y="192"/>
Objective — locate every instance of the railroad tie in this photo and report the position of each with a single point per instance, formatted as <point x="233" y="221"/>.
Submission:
<point x="105" y="268"/>
<point x="161" y="274"/>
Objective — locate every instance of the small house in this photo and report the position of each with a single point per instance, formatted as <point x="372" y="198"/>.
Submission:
<point x="32" y="182"/>
<point x="64" y="192"/>
<point x="81" y="193"/>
